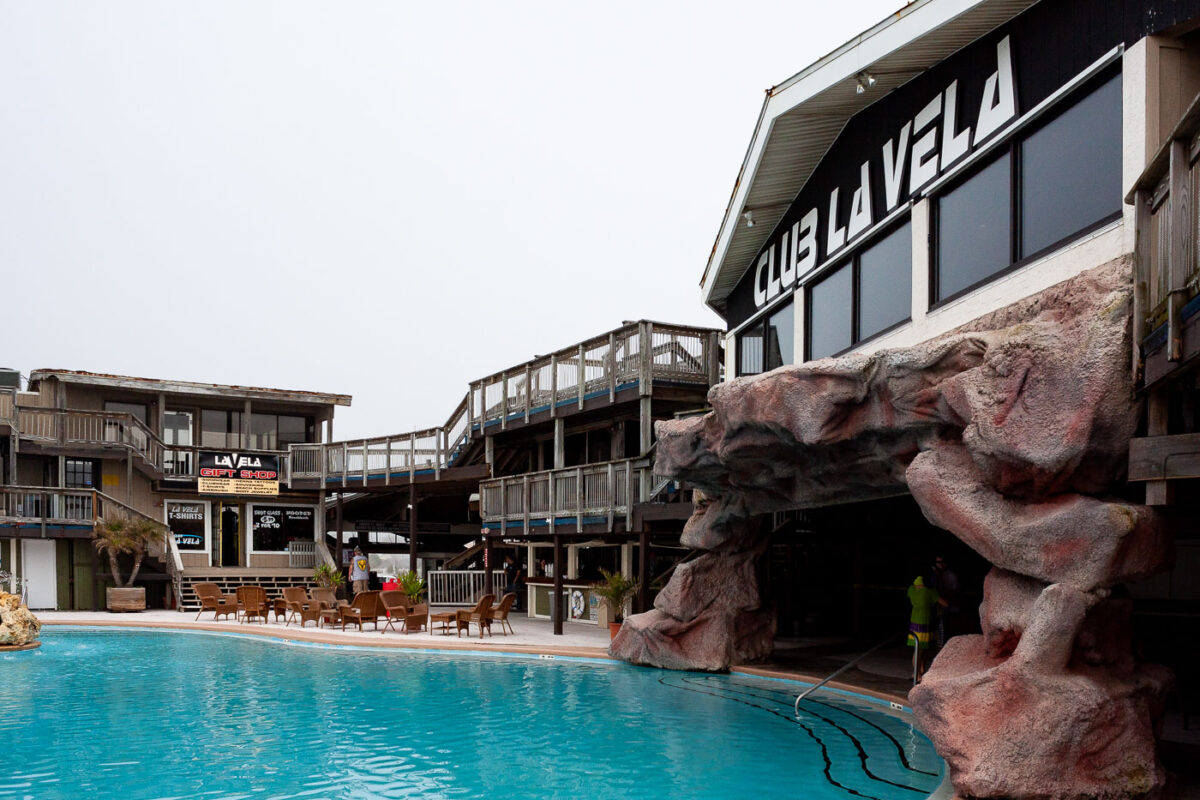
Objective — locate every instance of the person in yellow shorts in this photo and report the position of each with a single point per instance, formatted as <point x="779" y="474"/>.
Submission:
<point x="924" y="600"/>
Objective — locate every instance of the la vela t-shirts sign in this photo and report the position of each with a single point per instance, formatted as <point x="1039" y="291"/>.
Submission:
<point x="238" y="473"/>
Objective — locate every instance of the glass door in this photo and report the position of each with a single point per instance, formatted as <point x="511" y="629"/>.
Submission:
<point x="226" y="555"/>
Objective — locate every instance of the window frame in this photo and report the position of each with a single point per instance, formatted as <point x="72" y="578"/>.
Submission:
<point x="251" y="506"/>
<point x="1012" y="149"/>
<point x="208" y="523"/>
<point x="761" y="323"/>
<point x="851" y="262"/>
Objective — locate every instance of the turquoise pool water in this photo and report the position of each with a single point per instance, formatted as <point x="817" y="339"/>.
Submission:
<point x="148" y="714"/>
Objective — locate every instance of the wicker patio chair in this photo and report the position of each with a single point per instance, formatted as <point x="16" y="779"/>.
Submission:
<point x="395" y="607"/>
<point x="300" y="605"/>
<point x="416" y="618"/>
<point x="480" y="615"/>
<point x="365" y="607"/>
<point x="500" y="612"/>
<point x="330" y="606"/>
<point x="252" y="602"/>
<point x="212" y="599"/>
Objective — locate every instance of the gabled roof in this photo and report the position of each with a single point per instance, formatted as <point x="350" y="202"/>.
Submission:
<point x="188" y="387"/>
<point x="802" y="117"/>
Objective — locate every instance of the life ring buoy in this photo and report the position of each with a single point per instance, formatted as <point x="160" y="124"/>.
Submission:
<point x="577" y="606"/>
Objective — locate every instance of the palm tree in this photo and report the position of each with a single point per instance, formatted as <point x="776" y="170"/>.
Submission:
<point x="119" y="536"/>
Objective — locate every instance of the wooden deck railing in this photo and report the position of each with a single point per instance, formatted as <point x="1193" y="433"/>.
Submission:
<point x="597" y="490"/>
<point x="49" y="505"/>
<point x="1167" y="216"/>
<point x="8" y="406"/>
<point x="634" y="355"/>
<point x="105" y="428"/>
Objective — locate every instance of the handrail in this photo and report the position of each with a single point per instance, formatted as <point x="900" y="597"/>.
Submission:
<point x="840" y="670"/>
<point x="636" y="353"/>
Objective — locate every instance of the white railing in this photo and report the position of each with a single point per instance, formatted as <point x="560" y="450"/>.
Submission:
<point x="596" y="490"/>
<point x="302" y="553"/>
<point x="49" y="504"/>
<point x="459" y="586"/>
<point x="632" y="355"/>
<point x="105" y="428"/>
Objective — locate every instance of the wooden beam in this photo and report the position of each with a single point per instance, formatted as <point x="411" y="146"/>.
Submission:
<point x="1180" y="246"/>
<point x="556" y="596"/>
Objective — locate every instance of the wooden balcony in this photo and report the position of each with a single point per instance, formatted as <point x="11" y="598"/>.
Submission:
<point x="596" y="497"/>
<point x="636" y="360"/>
<point x="1166" y="312"/>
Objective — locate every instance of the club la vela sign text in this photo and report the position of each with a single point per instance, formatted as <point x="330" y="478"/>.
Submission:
<point x="924" y="147"/>
<point x="238" y="473"/>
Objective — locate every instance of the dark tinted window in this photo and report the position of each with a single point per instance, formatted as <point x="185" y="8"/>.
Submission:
<point x="1071" y="170"/>
<point x="291" y="431"/>
<point x="750" y="350"/>
<point x="974" y="229"/>
<point x="781" y="337"/>
<point x="885" y="283"/>
<point x="829" y="313"/>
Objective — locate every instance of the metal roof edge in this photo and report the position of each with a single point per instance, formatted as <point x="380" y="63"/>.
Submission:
<point x="815" y="78"/>
<point x="188" y="387"/>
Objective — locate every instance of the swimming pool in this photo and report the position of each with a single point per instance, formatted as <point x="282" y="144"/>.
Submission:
<point x="111" y="712"/>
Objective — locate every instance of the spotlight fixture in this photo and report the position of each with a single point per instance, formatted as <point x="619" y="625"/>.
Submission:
<point x="749" y="217"/>
<point x="862" y="81"/>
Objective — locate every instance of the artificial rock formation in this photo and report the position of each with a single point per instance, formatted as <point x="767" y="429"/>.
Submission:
<point x="1009" y="433"/>
<point x="18" y="625"/>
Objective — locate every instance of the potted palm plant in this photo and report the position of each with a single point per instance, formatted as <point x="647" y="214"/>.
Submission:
<point x="121" y="536"/>
<point x="413" y="586"/>
<point x="328" y="577"/>
<point x="615" y="590"/>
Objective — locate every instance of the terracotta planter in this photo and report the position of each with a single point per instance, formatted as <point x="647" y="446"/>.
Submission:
<point x="613" y="628"/>
<point x="131" y="599"/>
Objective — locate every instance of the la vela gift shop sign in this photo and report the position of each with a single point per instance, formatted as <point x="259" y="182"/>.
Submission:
<point x="238" y="473"/>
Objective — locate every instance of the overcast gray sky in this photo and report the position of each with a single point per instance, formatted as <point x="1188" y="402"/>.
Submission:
<point x="383" y="200"/>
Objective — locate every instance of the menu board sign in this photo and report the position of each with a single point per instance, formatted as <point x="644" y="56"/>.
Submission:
<point x="238" y="473"/>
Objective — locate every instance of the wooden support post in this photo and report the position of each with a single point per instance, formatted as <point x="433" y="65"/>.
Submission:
<point x="320" y="522"/>
<point x="337" y="545"/>
<point x="387" y="470"/>
<point x="365" y="454"/>
<point x="489" y="586"/>
<point x="525" y="503"/>
<point x="246" y="411"/>
<point x="503" y="400"/>
<point x="579" y="499"/>
<point x="412" y="458"/>
<point x="645" y="425"/>
<point x="1141" y="272"/>
<point x="1180" y="247"/>
<point x="528" y="391"/>
<point x="553" y="385"/>
<point x="1158" y="493"/>
<point x="471" y="411"/>
<point x="557" y="595"/>
<point x="713" y="354"/>
<point x="412" y="528"/>
<point x="345" y="461"/>
<point x="610" y="490"/>
<point x="610" y="366"/>
<point x="643" y="594"/>
<point x="581" y="374"/>
<point x="489" y="453"/>
<point x="560" y="443"/>
<point x="437" y="454"/>
<point x="629" y="499"/>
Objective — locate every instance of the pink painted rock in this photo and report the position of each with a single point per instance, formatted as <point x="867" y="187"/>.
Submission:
<point x="1009" y="432"/>
<point x="1072" y="538"/>
<point x="709" y="616"/>
<point x="1042" y="722"/>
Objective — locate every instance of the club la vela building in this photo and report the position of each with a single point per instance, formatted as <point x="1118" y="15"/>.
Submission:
<point x="959" y="275"/>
